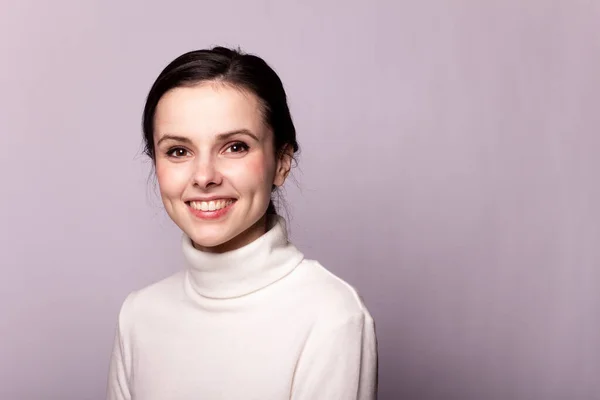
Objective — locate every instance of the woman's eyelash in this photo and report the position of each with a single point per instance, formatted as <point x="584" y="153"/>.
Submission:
<point x="172" y="152"/>
<point x="236" y="147"/>
<point x="241" y="146"/>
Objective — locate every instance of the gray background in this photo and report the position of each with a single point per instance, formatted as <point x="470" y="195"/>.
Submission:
<point x="449" y="172"/>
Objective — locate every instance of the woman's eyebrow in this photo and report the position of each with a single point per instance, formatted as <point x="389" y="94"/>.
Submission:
<point x="221" y="136"/>
<point x="176" y="138"/>
<point x="227" y="135"/>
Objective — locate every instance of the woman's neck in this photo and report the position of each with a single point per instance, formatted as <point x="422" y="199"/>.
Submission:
<point x="244" y="270"/>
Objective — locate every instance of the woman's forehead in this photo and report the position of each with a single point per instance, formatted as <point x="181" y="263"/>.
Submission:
<point x="208" y="109"/>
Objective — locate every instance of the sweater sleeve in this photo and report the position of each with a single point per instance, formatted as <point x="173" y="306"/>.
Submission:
<point x="339" y="362"/>
<point x="120" y="363"/>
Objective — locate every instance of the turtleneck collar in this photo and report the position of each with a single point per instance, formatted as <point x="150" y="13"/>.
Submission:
<point x="245" y="270"/>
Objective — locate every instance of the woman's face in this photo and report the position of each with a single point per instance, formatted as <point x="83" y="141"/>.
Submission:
<point x="215" y="164"/>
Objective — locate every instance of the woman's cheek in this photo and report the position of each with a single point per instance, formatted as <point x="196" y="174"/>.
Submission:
<point x="172" y="179"/>
<point x="255" y="171"/>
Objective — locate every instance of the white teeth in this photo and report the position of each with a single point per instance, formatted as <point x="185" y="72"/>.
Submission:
<point x="210" y="205"/>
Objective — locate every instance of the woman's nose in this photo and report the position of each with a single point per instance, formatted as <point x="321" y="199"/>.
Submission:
<point x="206" y="174"/>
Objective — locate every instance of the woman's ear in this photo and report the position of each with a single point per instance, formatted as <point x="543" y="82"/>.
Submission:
<point x="284" y="165"/>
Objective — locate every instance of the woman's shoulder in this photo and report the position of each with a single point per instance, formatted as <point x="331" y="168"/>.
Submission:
<point x="328" y="293"/>
<point x="153" y="297"/>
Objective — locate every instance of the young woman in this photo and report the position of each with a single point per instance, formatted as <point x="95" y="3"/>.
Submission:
<point x="248" y="317"/>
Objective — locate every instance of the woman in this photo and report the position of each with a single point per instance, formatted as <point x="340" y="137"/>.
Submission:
<point x="249" y="317"/>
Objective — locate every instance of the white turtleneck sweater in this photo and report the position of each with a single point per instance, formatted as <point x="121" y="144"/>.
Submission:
<point x="257" y="323"/>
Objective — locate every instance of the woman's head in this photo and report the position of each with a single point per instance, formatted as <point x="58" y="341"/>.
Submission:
<point x="218" y="129"/>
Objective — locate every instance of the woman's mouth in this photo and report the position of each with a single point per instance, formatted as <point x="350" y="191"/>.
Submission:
<point x="212" y="205"/>
<point x="210" y="209"/>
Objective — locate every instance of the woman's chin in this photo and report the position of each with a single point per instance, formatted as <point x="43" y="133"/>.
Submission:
<point x="210" y="243"/>
<point x="220" y="241"/>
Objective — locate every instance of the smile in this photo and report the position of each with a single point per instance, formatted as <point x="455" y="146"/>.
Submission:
<point x="213" y="205"/>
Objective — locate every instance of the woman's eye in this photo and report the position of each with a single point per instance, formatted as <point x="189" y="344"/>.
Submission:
<point x="177" y="152"/>
<point x="237" y="147"/>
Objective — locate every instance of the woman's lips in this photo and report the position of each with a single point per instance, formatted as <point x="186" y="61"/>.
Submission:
<point x="212" y="209"/>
